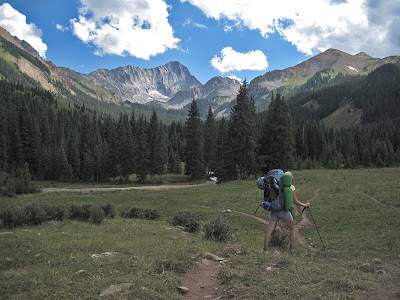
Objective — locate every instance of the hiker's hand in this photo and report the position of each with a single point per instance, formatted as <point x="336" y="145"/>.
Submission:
<point x="307" y="204"/>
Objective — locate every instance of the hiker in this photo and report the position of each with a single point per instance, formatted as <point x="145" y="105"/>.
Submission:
<point x="286" y="217"/>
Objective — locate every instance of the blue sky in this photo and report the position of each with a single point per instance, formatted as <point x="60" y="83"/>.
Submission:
<point x="243" y="38"/>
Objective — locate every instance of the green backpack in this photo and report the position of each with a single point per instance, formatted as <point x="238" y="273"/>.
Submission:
<point x="287" y="191"/>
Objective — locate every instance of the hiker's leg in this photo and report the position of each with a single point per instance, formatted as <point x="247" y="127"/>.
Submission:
<point x="292" y="233"/>
<point x="268" y="234"/>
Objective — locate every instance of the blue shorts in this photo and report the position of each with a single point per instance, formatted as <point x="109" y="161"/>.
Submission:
<point x="284" y="215"/>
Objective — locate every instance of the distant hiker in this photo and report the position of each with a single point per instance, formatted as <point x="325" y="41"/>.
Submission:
<point x="283" y="215"/>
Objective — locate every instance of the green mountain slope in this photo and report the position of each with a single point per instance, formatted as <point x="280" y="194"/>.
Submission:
<point x="356" y="100"/>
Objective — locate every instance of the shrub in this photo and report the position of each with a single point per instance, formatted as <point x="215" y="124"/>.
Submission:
<point x="140" y="213"/>
<point x="96" y="214"/>
<point x="151" y="214"/>
<point x="279" y="238"/>
<point x="13" y="217"/>
<point x="188" y="220"/>
<point x="32" y="214"/>
<point x="56" y="212"/>
<point x="35" y="214"/>
<point x="133" y="213"/>
<point x="218" y="229"/>
<point x="109" y="210"/>
<point x="79" y="212"/>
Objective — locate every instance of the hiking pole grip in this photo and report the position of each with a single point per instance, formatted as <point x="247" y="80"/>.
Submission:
<point x="304" y="209"/>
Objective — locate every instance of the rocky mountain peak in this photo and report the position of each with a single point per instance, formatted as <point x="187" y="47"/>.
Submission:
<point x="144" y="85"/>
<point x="363" y="54"/>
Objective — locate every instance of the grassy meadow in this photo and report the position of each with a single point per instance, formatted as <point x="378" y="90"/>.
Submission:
<point x="356" y="211"/>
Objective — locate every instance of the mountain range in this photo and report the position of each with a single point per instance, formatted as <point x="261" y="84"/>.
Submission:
<point x="172" y="86"/>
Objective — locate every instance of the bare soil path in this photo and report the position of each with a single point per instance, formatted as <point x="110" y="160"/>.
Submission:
<point x="204" y="282"/>
<point x="114" y="189"/>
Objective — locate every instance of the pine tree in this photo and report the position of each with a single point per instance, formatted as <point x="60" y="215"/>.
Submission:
<point x="152" y="135"/>
<point x="63" y="170"/>
<point x="126" y="147"/>
<point x="160" y="159"/>
<point x="210" y="135"/>
<point x="73" y="153"/>
<point x="142" y="151"/>
<point x="225" y="165"/>
<point x="243" y="123"/>
<point x="194" y="160"/>
<point x="277" y="144"/>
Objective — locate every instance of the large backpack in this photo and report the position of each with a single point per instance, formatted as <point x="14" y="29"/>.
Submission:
<point x="273" y="191"/>
<point x="277" y="191"/>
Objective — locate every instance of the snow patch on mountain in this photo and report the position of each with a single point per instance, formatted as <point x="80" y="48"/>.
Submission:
<point x="352" y="68"/>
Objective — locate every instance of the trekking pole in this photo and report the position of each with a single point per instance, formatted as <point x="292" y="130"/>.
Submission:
<point x="323" y="246"/>
<point x="257" y="208"/>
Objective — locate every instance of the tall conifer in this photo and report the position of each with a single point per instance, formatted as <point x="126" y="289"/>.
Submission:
<point x="243" y="122"/>
<point x="194" y="160"/>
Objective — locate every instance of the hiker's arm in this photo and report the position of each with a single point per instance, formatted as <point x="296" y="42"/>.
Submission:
<point x="297" y="202"/>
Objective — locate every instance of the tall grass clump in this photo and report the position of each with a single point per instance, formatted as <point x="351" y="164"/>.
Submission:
<point x="218" y="229"/>
<point x="189" y="221"/>
<point x="279" y="239"/>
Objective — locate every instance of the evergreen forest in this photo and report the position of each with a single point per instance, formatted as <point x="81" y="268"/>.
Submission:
<point x="42" y="140"/>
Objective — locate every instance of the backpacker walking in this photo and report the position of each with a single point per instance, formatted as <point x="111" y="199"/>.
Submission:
<point x="283" y="214"/>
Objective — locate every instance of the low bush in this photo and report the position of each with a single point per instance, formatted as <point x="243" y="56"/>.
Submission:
<point x="109" y="210"/>
<point x="79" y="212"/>
<point x="279" y="239"/>
<point x="218" y="229"/>
<point x="13" y="217"/>
<point x="133" y="213"/>
<point x="87" y="212"/>
<point x="151" y="214"/>
<point x="188" y="220"/>
<point x="56" y="212"/>
<point x="34" y="214"/>
<point x="96" y="214"/>
<point x="140" y="213"/>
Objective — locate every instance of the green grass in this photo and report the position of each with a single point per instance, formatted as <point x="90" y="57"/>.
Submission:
<point x="42" y="262"/>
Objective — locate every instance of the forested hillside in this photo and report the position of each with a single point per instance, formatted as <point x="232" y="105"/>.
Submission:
<point x="377" y="95"/>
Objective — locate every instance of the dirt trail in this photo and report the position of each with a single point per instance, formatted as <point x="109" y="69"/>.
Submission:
<point x="204" y="282"/>
<point x="381" y="203"/>
<point x="114" y="189"/>
<point x="370" y="197"/>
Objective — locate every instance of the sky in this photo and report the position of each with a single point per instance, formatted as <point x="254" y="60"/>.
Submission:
<point x="236" y="38"/>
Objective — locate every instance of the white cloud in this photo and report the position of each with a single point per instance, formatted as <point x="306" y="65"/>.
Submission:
<point x="15" y="23"/>
<point x="235" y="78"/>
<point x="349" y="25"/>
<point x="228" y="28"/>
<point x="138" y="28"/>
<point x="191" y="22"/>
<point x="61" y="27"/>
<point x="231" y="60"/>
